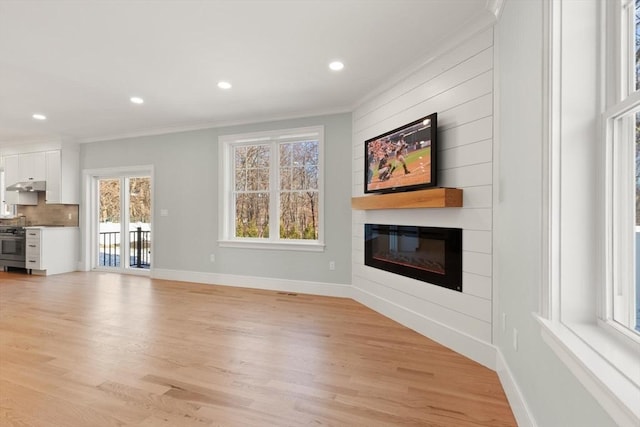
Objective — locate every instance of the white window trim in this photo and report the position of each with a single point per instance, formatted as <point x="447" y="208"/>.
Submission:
<point x="225" y="219"/>
<point x="604" y="360"/>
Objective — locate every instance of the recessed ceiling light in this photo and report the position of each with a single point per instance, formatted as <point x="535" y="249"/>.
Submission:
<point x="336" y="65"/>
<point x="39" y="116"/>
<point x="224" y="85"/>
<point x="136" y="100"/>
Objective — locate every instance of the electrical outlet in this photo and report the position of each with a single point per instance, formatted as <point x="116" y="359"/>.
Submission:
<point x="332" y="265"/>
<point x="515" y="339"/>
<point x="212" y="257"/>
<point x="504" y="322"/>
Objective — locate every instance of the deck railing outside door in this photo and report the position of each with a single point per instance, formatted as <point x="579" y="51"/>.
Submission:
<point x="140" y="248"/>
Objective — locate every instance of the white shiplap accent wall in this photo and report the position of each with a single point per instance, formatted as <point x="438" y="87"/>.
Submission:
<point x="458" y="85"/>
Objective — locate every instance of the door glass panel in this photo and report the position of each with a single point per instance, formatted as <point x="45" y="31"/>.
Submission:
<point x="109" y="223"/>
<point x="140" y="222"/>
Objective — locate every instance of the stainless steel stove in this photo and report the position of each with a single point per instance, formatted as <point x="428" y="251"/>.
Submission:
<point x="12" y="246"/>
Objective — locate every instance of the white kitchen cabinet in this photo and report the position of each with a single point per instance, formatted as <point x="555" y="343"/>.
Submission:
<point x="32" y="167"/>
<point x="25" y="167"/>
<point x="12" y="174"/>
<point x="52" y="250"/>
<point x="59" y="168"/>
<point x="33" y="249"/>
<point x="54" y="177"/>
<point x="62" y="176"/>
<point x="20" y="198"/>
<point x="11" y="169"/>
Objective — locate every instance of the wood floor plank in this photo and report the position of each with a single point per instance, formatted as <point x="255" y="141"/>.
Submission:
<point x="102" y="349"/>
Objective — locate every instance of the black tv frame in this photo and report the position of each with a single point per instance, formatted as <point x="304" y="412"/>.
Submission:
<point x="390" y="138"/>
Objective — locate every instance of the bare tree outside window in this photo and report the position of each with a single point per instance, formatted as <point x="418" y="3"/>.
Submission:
<point x="110" y="200"/>
<point x="296" y="188"/>
<point x="252" y="164"/>
<point x="272" y="188"/>
<point x="139" y="200"/>
<point x="299" y="190"/>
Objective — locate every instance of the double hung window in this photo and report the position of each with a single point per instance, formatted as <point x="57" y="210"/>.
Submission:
<point x="271" y="191"/>
<point x="589" y="305"/>
<point x="622" y="126"/>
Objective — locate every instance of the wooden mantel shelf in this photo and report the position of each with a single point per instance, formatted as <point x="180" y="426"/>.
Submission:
<point x="430" y="198"/>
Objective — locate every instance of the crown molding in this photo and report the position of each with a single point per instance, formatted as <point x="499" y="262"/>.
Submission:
<point x="495" y="7"/>
<point x="211" y="125"/>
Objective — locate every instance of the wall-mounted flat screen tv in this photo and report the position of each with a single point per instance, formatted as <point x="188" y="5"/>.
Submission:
<point x="403" y="159"/>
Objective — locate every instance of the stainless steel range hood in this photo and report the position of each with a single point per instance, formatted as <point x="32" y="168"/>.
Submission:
<point x="28" y="186"/>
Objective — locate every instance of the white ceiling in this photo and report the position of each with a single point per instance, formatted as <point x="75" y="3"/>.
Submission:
<point x="79" y="62"/>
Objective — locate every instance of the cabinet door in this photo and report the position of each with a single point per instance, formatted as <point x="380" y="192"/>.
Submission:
<point x="33" y="167"/>
<point x="54" y="176"/>
<point x="11" y="170"/>
<point x="12" y="175"/>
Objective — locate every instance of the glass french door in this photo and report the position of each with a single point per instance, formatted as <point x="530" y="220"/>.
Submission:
<point x="123" y="223"/>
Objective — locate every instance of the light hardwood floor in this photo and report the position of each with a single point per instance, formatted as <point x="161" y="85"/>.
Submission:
<point x="100" y="349"/>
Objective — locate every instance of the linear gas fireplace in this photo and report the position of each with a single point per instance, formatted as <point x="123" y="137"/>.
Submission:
<point x="430" y="254"/>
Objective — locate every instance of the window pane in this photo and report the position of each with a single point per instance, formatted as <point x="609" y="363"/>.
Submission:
<point x="299" y="153"/>
<point x="241" y="180"/>
<point x="305" y="178"/>
<point x="258" y="156"/>
<point x="252" y="168"/>
<point x="240" y="155"/>
<point x="311" y="177"/>
<point x="298" y="179"/>
<point x="140" y="222"/>
<point x="637" y="167"/>
<point x="300" y="171"/>
<point x="251" y="156"/>
<point x="109" y="223"/>
<point x="257" y="179"/>
<point x="286" y="157"/>
<point x="299" y="215"/>
<point x="252" y="215"/>
<point x="285" y="178"/>
<point x="635" y="303"/>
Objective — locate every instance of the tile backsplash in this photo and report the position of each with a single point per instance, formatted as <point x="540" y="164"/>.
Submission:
<point x="44" y="214"/>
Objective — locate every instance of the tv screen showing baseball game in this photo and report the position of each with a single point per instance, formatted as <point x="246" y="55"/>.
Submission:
<point x="403" y="159"/>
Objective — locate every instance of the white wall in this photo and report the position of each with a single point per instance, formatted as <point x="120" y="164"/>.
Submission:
<point x="458" y="86"/>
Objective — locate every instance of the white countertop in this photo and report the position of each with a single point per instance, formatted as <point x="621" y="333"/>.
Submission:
<point x="39" y="227"/>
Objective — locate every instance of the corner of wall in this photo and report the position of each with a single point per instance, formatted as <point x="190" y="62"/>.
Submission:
<point x="516" y="399"/>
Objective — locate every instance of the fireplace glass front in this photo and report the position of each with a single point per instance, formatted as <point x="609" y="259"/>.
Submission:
<point x="430" y="254"/>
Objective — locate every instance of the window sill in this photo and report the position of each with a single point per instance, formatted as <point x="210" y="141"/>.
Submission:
<point x="277" y="246"/>
<point x="607" y="368"/>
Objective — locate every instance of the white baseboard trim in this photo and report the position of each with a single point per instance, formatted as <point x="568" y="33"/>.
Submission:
<point x="519" y="406"/>
<point x="266" y="283"/>
<point x="473" y="348"/>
